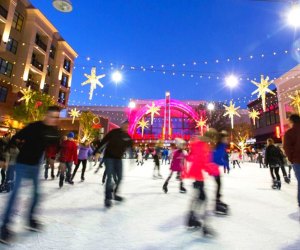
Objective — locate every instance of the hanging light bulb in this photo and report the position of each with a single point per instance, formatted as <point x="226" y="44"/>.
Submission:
<point x="62" y="5"/>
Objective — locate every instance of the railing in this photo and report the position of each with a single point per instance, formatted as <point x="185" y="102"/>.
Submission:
<point x="3" y="12"/>
<point x="41" y="44"/>
<point x="37" y="64"/>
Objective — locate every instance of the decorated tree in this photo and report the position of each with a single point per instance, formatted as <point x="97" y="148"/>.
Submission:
<point x="32" y="109"/>
<point x="89" y="126"/>
<point x="242" y="132"/>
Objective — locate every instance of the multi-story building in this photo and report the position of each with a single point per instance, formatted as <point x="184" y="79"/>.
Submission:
<point x="287" y="85"/>
<point x="268" y="123"/>
<point x="32" y="53"/>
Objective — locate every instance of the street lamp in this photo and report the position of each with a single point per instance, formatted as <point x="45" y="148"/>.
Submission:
<point x="62" y="5"/>
<point x="231" y="81"/>
<point x="293" y="16"/>
<point x="132" y="105"/>
<point x="210" y="106"/>
<point x="116" y="76"/>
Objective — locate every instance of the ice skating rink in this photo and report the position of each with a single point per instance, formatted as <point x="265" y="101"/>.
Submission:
<point x="75" y="218"/>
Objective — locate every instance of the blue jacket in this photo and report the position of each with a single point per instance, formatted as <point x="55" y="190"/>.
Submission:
<point x="220" y="155"/>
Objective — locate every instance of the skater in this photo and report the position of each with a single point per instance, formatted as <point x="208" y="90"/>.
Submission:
<point x="84" y="152"/>
<point x="273" y="159"/>
<point x="220" y="157"/>
<point x="68" y="156"/>
<point x="165" y="156"/>
<point x="200" y="159"/>
<point x="116" y="143"/>
<point x="11" y="156"/>
<point x="51" y="152"/>
<point x="3" y="158"/>
<point x="156" y="154"/>
<point x="101" y="157"/>
<point x="235" y="158"/>
<point x="140" y="157"/>
<point x="291" y="145"/>
<point x="35" y="138"/>
<point x="260" y="160"/>
<point x="177" y="164"/>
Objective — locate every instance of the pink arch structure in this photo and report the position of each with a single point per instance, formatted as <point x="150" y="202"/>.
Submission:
<point x="161" y="103"/>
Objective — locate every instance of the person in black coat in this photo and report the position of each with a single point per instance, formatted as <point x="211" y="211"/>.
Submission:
<point x="273" y="159"/>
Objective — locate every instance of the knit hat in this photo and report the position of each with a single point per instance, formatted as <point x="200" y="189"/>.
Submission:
<point x="71" y="135"/>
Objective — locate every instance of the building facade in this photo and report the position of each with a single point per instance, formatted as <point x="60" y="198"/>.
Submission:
<point x="286" y="85"/>
<point x="32" y="53"/>
<point x="268" y="123"/>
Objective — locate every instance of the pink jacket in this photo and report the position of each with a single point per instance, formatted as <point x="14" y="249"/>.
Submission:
<point x="200" y="159"/>
<point x="178" y="160"/>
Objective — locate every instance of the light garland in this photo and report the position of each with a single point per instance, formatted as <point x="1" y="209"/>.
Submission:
<point x="296" y="100"/>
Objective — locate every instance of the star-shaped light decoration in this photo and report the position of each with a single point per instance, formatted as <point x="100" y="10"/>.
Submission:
<point x="152" y="110"/>
<point x="143" y="124"/>
<point x="296" y="100"/>
<point x="74" y="113"/>
<point x="93" y="79"/>
<point x="201" y="124"/>
<point x="254" y="115"/>
<point x="262" y="89"/>
<point x="27" y="95"/>
<point x="231" y="111"/>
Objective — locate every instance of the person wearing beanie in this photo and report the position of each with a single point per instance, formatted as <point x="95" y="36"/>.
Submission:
<point x="68" y="156"/>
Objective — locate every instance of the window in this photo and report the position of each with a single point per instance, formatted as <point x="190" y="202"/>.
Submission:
<point x="64" y="80"/>
<point x="5" y="67"/>
<point x="3" y="94"/>
<point x="67" y="65"/>
<point x="62" y="97"/>
<point x="49" y="70"/>
<point x="18" y="21"/>
<point x="52" y="51"/>
<point x="12" y="45"/>
<point x="46" y="88"/>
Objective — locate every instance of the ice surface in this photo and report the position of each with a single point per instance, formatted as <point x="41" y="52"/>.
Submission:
<point x="75" y="218"/>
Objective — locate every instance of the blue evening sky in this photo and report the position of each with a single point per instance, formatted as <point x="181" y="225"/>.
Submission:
<point x="165" y="32"/>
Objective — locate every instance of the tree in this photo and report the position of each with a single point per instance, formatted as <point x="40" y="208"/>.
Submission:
<point x="34" y="110"/>
<point x="88" y="130"/>
<point x="242" y="132"/>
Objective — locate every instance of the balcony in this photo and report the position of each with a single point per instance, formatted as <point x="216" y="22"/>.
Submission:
<point x="3" y="12"/>
<point x="40" y="43"/>
<point x="37" y="64"/>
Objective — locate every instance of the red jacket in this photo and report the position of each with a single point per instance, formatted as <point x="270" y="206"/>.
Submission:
<point x="291" y="144"/>
<point x="199" y="160"/>
<point x="68" y="152"/>
<point x="51" y="151"/>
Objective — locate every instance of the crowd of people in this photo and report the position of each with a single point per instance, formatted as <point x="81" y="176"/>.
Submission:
<point x="40" y="143"/>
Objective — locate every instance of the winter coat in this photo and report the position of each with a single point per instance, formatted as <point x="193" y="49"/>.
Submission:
<point x="291" y="144"/>
<point x="84" y="152"/>
<point x="178" y="160"/>
<point x="68" y="152"/>
<point x="199" y="160"/>
<point x="220" y="155"/>
<point x="235" y="156"/>
<point x="273" y="156"/>
<point x="140" y="156"/>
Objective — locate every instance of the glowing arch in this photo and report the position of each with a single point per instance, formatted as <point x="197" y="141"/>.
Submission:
<point x="173" y="104"/>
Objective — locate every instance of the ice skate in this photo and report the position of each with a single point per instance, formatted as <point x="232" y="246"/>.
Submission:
<point x="107" y="203"/>
<point x="193" y="222"/>
<point x="182" y="188"/>
<point x="35" y="226"/>
<point x="165" y="187"/>
<point x="118" y="198"/>
<point x="208" y="232"/>
<point x="5" y="235"/>
<point x="221" y="208"/>
<point x="287" y="179"/>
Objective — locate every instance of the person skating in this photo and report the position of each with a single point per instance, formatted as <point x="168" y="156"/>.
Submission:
<point x="235" y="158"/>
<point x="140" y="157"/>
<point x="35" y="138"/>
<point x="273" y="159"/>
<point x="68" y="156"/>
<point x="200" y="158"/>
<point x="291" y="145"/>
<point x="115" y="142"/>
<point x="177" y="164"/>
<point x="51" y="152"/>
<point x="220" y="157"/>
<point x="84" y="152"/>
<point x="156" y="154"/>
<point x="260" y="160"/>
